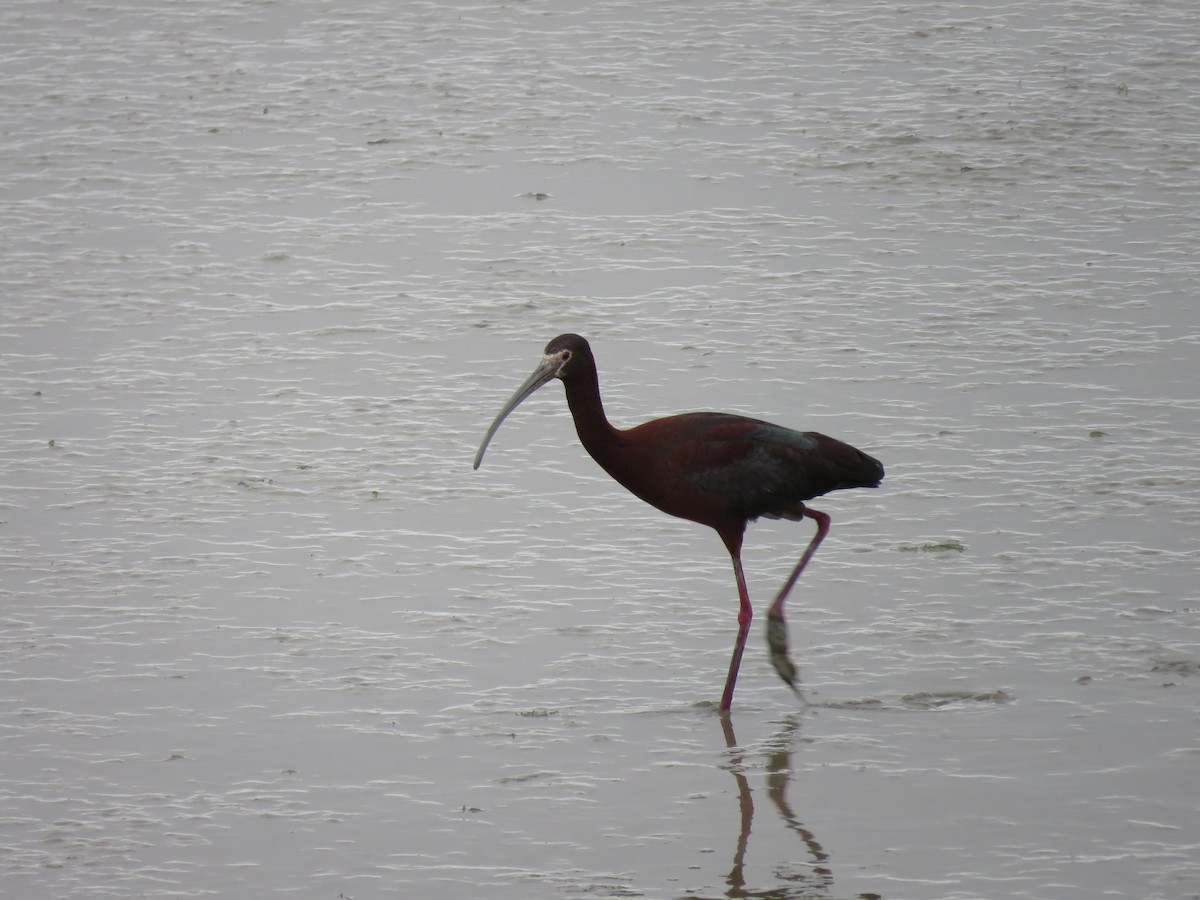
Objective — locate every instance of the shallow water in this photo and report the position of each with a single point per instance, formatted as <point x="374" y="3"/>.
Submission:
<point x="270" y="270"/>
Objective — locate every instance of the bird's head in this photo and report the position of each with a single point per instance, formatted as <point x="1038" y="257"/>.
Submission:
<point x="567" y="357"/>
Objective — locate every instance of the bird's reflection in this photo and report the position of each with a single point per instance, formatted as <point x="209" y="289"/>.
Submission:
<point x="811" y="877"/>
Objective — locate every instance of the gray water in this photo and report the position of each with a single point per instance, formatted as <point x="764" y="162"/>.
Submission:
<point x="268" y="271"/>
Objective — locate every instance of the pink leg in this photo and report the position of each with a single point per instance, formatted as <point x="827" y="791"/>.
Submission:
<point x="822" y="520"/>
<point x="745" y="614"/>
<point x="776" y="627"/>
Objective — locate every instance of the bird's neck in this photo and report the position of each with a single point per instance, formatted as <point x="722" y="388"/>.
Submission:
<point x="598" y="437"/>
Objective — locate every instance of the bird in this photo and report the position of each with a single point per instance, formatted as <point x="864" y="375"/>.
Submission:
<point x="717" y="469"/>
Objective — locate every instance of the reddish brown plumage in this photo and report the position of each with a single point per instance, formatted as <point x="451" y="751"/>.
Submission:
<point x="718" y="469"/>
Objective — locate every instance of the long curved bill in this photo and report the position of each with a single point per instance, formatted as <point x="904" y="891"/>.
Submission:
<point x="546" y="370"/>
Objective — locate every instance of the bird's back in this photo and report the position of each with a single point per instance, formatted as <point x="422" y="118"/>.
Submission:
<point x="717" y="468"/>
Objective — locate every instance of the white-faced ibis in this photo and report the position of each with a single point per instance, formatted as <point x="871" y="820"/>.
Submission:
<point x="718" y="469"/>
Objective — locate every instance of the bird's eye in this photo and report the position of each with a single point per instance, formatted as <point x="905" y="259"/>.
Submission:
<point x="566" y="356"/>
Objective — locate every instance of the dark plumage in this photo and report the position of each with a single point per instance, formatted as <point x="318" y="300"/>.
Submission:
<point x="718" y="469"/>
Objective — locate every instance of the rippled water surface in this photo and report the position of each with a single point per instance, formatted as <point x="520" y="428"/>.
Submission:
<point x="268" y="270"/>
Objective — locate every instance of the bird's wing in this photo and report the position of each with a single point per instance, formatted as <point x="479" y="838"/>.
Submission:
<point x="761" y="469"/>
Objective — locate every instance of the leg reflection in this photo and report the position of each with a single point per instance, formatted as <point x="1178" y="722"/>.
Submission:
<point x="810" y="879"/>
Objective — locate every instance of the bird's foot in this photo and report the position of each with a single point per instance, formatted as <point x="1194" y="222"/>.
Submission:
<point x="777" y="643"/>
